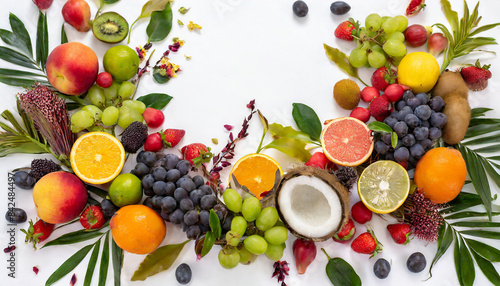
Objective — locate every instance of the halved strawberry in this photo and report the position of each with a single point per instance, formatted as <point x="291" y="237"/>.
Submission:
<point x="92" y="217"/>
<point x="171" y="137"/>
<point x="414" y="7"/>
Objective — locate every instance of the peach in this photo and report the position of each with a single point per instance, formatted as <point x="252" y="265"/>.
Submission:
<point x="72" y="68"/>
<point x="59" y="197"/>
<point x="77" y="14"/>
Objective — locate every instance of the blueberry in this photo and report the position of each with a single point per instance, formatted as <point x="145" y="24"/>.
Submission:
<point x="339" y="8"/>
<point x="382" y="268"/>
<point x="381" y="147"/>
<point x="173" y="175"/>
<point x="436" y="103"/>
<point x="438" y="120"/>
<point x="421" y="133"/>
<point x="416" y="262"/>
<point x="159" y="173"/>
<point x="168" y="204"/>
<point x="183" y="274"/>
<point x="148" y="181"/>
<point x="390" y="120"/>
<point x="423" y="112"/>
<point x="401" y="154"/>
<point x="408" y="140"/>
<point x="183" y="166"/>
<point x="422" y="97"/>
<point x="412" y="120"/>
<point x="16" y="215"/>
<point x="300" y="8"/>
<point x="413" y="102"/>
<point x="24" y="180"/>
<point x="171" y="161"/>
<point x="401" y="129"/>
<point x="198" y="180"/>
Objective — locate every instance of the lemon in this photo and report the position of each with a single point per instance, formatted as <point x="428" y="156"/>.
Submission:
<point x="126" y="189"/>
<point x="383" y="186"/>
<point x="121" y="62"/>
<point x="419" y="70"/>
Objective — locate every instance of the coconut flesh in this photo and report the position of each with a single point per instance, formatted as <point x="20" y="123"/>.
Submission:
<point x="312" y="203"/>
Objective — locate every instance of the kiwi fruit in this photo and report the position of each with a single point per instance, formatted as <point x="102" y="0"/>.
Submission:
<point x="458" y="112"/>
<point x="450" y="83"/>
<point x="110" y="27"/>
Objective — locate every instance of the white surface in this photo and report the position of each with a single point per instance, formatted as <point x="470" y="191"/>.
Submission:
<point x="246" y="50"/>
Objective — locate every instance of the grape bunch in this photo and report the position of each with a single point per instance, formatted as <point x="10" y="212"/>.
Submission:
<point x="418" y="123"/>
<point x="254" y="231"/>
<point x="381" y="39"/>
<point x="179" y="198"/>
<point x="109" y="106"/>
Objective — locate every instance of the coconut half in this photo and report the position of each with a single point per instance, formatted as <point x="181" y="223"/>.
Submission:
<point x="312" y="203"/>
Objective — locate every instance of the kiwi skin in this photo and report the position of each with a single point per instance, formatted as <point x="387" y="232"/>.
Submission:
<point x="110" y="27"/>
<point x="458" y="112"/>
<point x="451" y="83"/>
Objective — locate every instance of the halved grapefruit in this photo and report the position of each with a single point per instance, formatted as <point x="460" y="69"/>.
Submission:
<point x="347" y="141"/>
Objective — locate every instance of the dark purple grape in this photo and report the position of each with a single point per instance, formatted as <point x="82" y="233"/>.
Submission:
<point x="198" y="181"/>
<point x="148" y="181"/>
<point x="141" y="170"/>
<point x="382" y="268"/>
<point x="176" y="217"/>
<point x="436" y="103"/>
<point x="435" y="133"/>
<point x="403" y="112"/>
<point x="413" y="102"/>
<point x="408" y="140"/>
<point x="169" y="189"/>
<point x="412" y="120"/>
<point x="159" y="173"/>
<point x="400" y="104"/>
<point x="426" y="144"/>
<point x="425" y="123"/>
<point x="221" y="211"/>
<point x="187" y="185"/>
<point x="24" y="180"/>
<point x="381" y="147"/>
<point x="183" y="166"/>
<point x="417" y="151"/>
<point x="156" y="202"/>
<point x="183" y="274"/>
<point x="416" y="262"/>
<point x="204" y="217"/>
<point x="421" y="133"/>
<point x="147" y="157"/>
<point x="438" y="120"/>
<point x="226" y="226"/>
<point x="168" y="204"/>
<point x="159" y="188"/>
<point x="149" y="192"/>
<point x="401" y="154"/>
<point x="196" y="196"/>
<point x="159" y="163"/>
<point x="207" y="190"/>
<point x="207" y="202"/>
<point x="300" y="8"/>
<point x="390" y="120"/>
<point x="339" y="8"/>
<point x="186" y="204"/>
<point x="171" y="161"/>
<point x="422" y="97"/>
<point x="173" y="175"/>
<point x="16" y="215"/>
<point x="386" y="137"/>
<point x="204" y="228"/>
<point x="401" y="129"/>
<point x="140" y="157"/>
<point x="191" y="217"/>
<point x="180" y="194"/>
<point x="423" y="112"/>
<point x="193" y="232"/>
<point x="390" y="156"/>
<point x="147" y="202"/>
<point x="407" y="94"/>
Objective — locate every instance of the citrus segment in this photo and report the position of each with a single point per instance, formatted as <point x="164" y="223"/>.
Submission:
<point x="257" y="172"/>
<point x="137" y="229"/>
<point x="383" y="186"/>
<point x="418" y="70"/>
<point x="347" y="141"/>
<point x="97" y="157"/>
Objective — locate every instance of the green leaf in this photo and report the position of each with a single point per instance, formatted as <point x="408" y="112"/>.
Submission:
<point x="263" y="120"/>
<point x="491" y="171"/>
<point x="458" y="261"/>
<point x="92" y="263"/>
<point x="278" y="131"/>
<point x="160" y="24"/>
<point x="483" y="28"/>
<point x="110" y="1"/>
<point x="476" y="224"/>
<point x="159" y="260"/>
<point x="483" y="121"/>
<point x="74" y="237"/>
<point x="42" y="40"/>
<point x="341" y="59"/>
<point x="69" y="265"/>
<point x="451" y="15"/>
<point x="445" y="238"/>
<point x="11" y="39"/>
<point x="64" y="37"/>
<point x="155" y="100"/>
<point x="469" y="214"/>
<point x="117" y="256"/>
<point x="482" y="233"/>
<point x="494" y="158"/>
<point x="14" y="81"/>
<point x="14" y="57"/>
<point x="20" y="73"/>
<point x="487" y="268"/>
<point x="20" y="31"/>
<point x="103" y="269"/>
<point x="98" y="191"/>
<point x="158" y="77"/>
<point x="461" y="202"/>
<point x="148" y="8"/>
<point x="341" y="273"/>
<point x="481" y="129"/>
<point x="292" y="147"/>
<point x="466" y="265"/>
<point x="378" y="126"/>
<point x="307" y="120"/>
<point x="208" y="243"/>
<point x="479" y="111"/>
<point x="394" y="139"/>
<point x="482" y="140"/>
<point x="488" y="252"/>
<point x="488" y="149"/>
<point x="215" y="224"/>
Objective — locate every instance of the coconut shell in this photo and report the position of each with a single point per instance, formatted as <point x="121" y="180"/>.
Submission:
<point x="330" y="180"/>
<point x="458" y="112"/>
<point x="451" y="83"/>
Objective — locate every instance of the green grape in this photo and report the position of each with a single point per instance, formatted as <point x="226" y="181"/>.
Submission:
<point x="256" y="244"/>
<point x="127" y="116"/>
<point x="110" y="116"/>
<point x="246" y="257"/>
<point x="229" y="257"/>
<point x="275" y="251"/>
<point x="402" y="23"/>
<point x="126" y="90"/>
<point x="363" y="32"/>
<point x="233" y="200"/>
<point x="82" y="119"/>
<point x="373" y="22"/>
<point x="385" y="18"/>
<point x="364" y="46"/>
<point x="396" y="60"/>
<point x="239" y="225"/>
<point x="376" y="59"/>
<point x="136" y="105"/>
<point x="390" y="26"/>
<point x="96" y="96"/>
<point x="358" y="58"/>
<point x="250" y="209"/>
<point x="376" y="48"/>
<point x="233" y="238"/>
<point x="76" y="129"/>
<point x="398" y="36"/>
<point x="94" y="110"/>
<point x="279" y="223"/>
<point x="394" y="48"/>
<point x="95" y="128"/>
<point x="276" y="235"/>
<point x="267" y="218"/>
<point x="111" y="92"/>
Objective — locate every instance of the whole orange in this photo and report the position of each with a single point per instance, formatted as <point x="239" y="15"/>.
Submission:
<point x="137" y="229"/>
<point x="440" y="174"/>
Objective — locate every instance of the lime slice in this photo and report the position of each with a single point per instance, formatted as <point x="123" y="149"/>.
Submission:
<point x="383" y="186"/>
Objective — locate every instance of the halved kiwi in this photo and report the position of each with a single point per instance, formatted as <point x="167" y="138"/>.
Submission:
<point x="110" y="27"/>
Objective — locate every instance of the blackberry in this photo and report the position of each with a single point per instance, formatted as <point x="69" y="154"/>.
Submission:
<point x="134" y="136"/>
<point x="41" y="167"/>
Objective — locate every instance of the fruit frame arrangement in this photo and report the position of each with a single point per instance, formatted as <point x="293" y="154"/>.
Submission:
<point x="164" y="141"/>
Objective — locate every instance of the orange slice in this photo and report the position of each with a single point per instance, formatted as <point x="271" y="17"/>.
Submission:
<point x="347" y="141"/>
<point x="257" y="172"/>
<point x="97" y="157"/>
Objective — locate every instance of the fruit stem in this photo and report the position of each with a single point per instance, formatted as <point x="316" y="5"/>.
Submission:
<point x="324" y="251"/>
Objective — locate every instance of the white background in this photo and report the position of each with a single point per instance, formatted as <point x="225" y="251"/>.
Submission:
<point x="246" y="50"/>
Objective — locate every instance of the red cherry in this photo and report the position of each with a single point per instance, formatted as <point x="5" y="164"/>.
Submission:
<point x="153" y="143"/>
<point x="369" y="93"/>
<point x="104" y="79"/>
<point x="154" y="118"/>
<point x="360" y="213"/>
<point x="394" y="92"/>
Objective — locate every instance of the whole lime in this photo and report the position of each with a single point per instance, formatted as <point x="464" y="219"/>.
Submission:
<point x="121" y="62"/>
<point x="126" y="189"/>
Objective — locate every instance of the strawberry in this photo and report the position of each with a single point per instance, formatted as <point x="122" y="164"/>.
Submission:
<point x="381" y="78"/>
<point x="360" y="213"/>
<point x="400" y="232"/>
<point x="414" y="7"/>
<point x="171" y="137"/>
<point x="361" y="113"/>
<point x="380" y="107"/>
<point x="38" y="232"/>
<point x="346" y="30"/>
<point x="319" y="160"/>
<point x="476" y="77"/>
<point x="367" y="243"/>
<point x="92" y="217"/>
<point x="346" y="233"/>
<point x="196" y="153"/>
